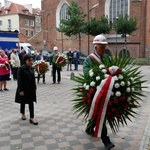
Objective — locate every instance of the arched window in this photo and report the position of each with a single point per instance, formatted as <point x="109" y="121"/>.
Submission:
<point x="117" y="7"/>
<point x="63" y="11"/>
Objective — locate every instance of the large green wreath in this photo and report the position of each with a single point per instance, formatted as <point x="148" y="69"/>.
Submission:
<point x="125" y="97"/>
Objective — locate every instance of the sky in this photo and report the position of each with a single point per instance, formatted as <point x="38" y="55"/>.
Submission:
<point x="35" y="3"/>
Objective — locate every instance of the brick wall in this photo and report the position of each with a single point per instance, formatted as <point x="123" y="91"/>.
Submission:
<point x="136" y="42"/>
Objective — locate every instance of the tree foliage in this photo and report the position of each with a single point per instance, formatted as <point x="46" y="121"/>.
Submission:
<point x="95" y="27"/>
<point x="125" y="25"/>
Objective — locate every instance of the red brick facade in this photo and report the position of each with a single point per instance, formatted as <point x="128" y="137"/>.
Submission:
<point x="138" y="43"/>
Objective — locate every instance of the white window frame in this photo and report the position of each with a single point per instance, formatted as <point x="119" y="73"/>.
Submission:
<point x="31" y="33"/>
<point x="38" y="19"/>
<point x="38" y="28"/>
<point x="31" y="23"/>
<point x="107" y="9"/>
<point x="61" y="3"/>
<point x="26" y="22"/>
<point x="27" y="31"/>
<point x="9" y="23"/>
<point x="1" y="22"/>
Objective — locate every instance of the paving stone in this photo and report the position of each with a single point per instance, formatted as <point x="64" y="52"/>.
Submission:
<point x="59" y="128"/>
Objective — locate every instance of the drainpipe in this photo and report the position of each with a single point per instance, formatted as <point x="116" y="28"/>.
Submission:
<point x="145" y="14"/>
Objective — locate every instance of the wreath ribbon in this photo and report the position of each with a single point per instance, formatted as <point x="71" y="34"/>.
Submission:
<point x="101" y="99"/>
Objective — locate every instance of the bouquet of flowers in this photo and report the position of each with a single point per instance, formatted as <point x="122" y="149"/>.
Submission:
<point x="40" y="66"/>
<point x="109" y="93"/>
<point x="60" y="60"/>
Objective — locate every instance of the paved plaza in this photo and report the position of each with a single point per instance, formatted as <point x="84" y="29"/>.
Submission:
<point x="59" y="128"/>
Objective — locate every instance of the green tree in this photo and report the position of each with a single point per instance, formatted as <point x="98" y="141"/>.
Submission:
<point x="125" y="25"/>
<point x="74" y="24"/>
<point x="95" y="27"/>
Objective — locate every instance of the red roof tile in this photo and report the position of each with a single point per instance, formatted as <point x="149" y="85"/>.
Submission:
<point x="15" y="8"/>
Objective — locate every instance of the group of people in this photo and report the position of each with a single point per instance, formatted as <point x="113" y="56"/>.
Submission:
<point x="73" y="57"/>
<point x="26" y="89"/>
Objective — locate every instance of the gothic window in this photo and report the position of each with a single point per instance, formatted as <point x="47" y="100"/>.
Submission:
<point x="63" y="11"/>
<point x="117" y="7"/>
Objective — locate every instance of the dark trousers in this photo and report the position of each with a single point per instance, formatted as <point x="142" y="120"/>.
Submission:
<point x="104" y="137"/>
<point x="14" y="71"/>
<point x="56" y="69"/>
<point x="76" y="64"/>
<point x="69" y="64"/>
<point x="43" y="76"/>
<point x="31" y="109"/>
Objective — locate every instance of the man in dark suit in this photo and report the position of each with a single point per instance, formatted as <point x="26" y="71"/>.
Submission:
<point x="75" y="58"/>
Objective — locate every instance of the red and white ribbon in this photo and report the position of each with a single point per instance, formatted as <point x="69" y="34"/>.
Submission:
<point x="94" y="57"/>
<point x="100" y="101"/>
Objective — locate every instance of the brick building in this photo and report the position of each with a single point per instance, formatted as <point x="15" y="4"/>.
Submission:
<point x="138" y="44"/>
<point x="25" y="19"/>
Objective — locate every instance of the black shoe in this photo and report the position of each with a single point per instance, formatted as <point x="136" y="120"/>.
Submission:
<point x="109" y="145"/>
<point x="23" y="118"/>
<point x="58" y="82"/>
<point x="6" y="89"/>
<point x="90" y="131"/>
<point x="34" y="123"/>
<point x="44" y="83"/>
<point x="1" y="90"/>
<point x="53" y="83"/>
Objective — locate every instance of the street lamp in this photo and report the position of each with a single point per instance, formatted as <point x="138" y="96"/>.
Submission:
<point x="88" y="15"/>
<point x="116" y="34"/>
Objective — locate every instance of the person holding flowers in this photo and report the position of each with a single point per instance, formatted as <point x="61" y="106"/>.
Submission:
<point x="108" y="92"/>
<point x="58" y="61"/>
<point x="40" y="57"/>
<point x="93" y="59"/>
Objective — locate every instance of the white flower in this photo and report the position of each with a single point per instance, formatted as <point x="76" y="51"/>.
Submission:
<point x="104" y="70"/>
<point x="97" y="87"/>
<point x="128" y="99"/>
<point x="112" y="93"/>
<point x="97" y="78"/>
<point x="84" y="85"/>
<point x="123" y="70"/>
<point x="118" y="94"/>
<point x="120" y="77"/>
<point x="132" y="79"/>
<point x="132" y="89"/>
<point x="101" y="66"/>
<point x="117" y="85"/>
<point x="106" y="75"/>
<point x="115" y="78"/>
<point x="92" y="83"/>
<point x="87" y="87"/>
<point x="128" y="83"/>
<point x="90" y="70"/>
<point x="128" y="89"/>
<point x="122" y="83"/>
<point x="91" y="74"/>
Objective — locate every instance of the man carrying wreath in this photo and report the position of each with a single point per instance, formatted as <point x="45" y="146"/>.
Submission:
<point x="40" y="57"/>
<point x="55" y="67"/>
<point x="93" y="59"/>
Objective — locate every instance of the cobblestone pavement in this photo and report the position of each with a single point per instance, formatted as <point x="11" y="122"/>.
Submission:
<point x="58" y="128"/>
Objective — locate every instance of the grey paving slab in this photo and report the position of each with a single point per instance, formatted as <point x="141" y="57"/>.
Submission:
<point x="58" y="128"/>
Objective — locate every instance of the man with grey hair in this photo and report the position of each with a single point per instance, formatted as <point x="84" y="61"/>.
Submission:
<point x="93" y="59"/>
